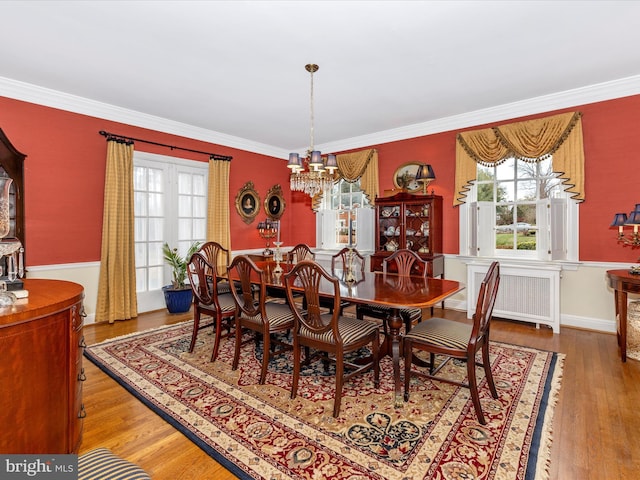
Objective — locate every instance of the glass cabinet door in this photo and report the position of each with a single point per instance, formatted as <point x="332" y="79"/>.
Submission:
<point x="389" y="227"/>
<point x="417" y="227"/>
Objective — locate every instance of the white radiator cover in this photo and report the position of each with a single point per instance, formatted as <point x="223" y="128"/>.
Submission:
<point x="529" y="294"/>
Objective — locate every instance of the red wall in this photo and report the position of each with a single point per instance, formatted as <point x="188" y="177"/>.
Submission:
<point x="64" y="179"/>
<point x="64" y="176"/>
<point x="612" y="176"/>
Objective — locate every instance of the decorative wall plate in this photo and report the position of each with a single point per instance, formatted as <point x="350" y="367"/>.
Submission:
<point x="405" y="177"/>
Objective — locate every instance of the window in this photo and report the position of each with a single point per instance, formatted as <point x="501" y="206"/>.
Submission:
<point x="519" y="209"/>
<point x="170" y="205"/>
<point x="345" y="212"/>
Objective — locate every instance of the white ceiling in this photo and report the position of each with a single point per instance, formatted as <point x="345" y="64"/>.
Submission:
<point x="237" y="68"/>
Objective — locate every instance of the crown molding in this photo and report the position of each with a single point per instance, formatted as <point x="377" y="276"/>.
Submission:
<point x="52" y="98"/>
<point x="72" y="103"/>
<point x="580" y="96"/>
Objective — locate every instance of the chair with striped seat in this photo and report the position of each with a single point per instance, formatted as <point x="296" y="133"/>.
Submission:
<point x="207" y="301"/>
<point x="405" y="262"/>
<point x="440" y="336"/>
<point x="103" y="464"/>
<point x="218" y="257"/>
<point x="264" y="318"/>
<point x="330" y="335"/>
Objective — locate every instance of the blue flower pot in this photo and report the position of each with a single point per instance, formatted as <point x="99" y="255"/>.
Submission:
<point x="177" y="301"/>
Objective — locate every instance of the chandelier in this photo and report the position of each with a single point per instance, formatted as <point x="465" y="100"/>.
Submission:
<point x="319" y="174"/>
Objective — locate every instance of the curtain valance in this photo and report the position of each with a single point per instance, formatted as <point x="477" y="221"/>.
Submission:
<point x="559" y="136"/>
<point x="361" y="165"/>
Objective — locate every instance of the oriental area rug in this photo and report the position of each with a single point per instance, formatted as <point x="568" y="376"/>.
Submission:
<point x="259" y="432"/>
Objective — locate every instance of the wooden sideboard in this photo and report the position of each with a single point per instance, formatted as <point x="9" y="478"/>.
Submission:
<point x="41" y="372"/>
<point x="622" y="282"/>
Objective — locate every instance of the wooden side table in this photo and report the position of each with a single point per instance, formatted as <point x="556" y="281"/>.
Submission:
<point x="623" y="283"/>
<point x="41" y="372"/>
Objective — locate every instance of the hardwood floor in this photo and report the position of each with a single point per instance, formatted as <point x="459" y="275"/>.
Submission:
<point x="596" y="425"/>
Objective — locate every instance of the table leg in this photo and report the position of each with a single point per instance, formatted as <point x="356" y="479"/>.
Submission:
<point x="395" y="323"/>
<point x="621" y="307"/>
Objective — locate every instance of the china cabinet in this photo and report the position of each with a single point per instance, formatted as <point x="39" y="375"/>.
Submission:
<point x="12" y="237"/>
<point x="409" y="221"/>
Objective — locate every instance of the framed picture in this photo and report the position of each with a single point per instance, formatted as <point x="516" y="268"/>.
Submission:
<point x="405" y="177"/>
<point x="247" y="202"/>
<point x="274" y="203"/>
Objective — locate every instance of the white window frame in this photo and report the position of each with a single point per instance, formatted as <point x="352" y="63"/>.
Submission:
<point x="558" y="232"/>
<point x="327" y="221"/>
<point x="172" y="167"/>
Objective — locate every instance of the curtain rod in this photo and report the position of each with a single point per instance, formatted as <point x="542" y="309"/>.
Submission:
<point x="212" y="156"/>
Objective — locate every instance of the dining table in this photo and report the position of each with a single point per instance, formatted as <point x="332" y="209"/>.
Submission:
<point x="375" y="288"/>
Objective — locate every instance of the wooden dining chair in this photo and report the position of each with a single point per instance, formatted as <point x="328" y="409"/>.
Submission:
<point x="441" y="336"/>
<point x="402" y="262"/>
<point x="300" y="252"/>
<point x="340" y="261"/>
<point x="330" y="335"/>
<point x="218" y="257"/>
<point x="253" y="312"/>
<point x="207" y="301"/>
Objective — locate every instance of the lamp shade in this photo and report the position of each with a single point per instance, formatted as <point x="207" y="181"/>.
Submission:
<point x="316" y="160"/>
<point x="634" y="218"/>
<point x="619" y="220"/>
<point x="425" y="173"/>
<point x="332" y="163"/>
<point x="294" y="162"/>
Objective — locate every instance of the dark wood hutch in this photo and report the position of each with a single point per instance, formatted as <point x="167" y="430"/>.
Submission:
<point x="12" y="166"/>
<point x="409" y="221"/>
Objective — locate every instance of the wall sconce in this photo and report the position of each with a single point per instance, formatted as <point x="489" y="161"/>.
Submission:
<point x="425" y="175"/>
<point x="621" y="220"/>
<point x="267" y="230"/>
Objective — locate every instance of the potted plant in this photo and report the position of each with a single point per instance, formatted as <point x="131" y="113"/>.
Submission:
<point x="178" y="296"/>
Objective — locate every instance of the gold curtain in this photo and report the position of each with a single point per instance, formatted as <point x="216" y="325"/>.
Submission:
<point x="361" y="165"/>
<point x="218" y="227"/>
<point x="559" y="136"/>
<point x="117" y="298"/>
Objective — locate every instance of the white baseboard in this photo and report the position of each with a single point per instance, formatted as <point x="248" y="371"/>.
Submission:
<point x="598" y="324"/>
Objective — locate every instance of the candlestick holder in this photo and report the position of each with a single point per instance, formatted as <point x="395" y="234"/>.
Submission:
<point x="277" y="257"/>
<point x="267" y="230"/>
<point x="350" y="274"/>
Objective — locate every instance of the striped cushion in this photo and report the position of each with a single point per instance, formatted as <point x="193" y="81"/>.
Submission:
<point x="227" y="303"/>
<point x="277" y="313"/>
<point x="103" y="464"/>
<point x="351" y="330"/>
<point x="223" y="287"/>
<point x="442" y="332"/>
